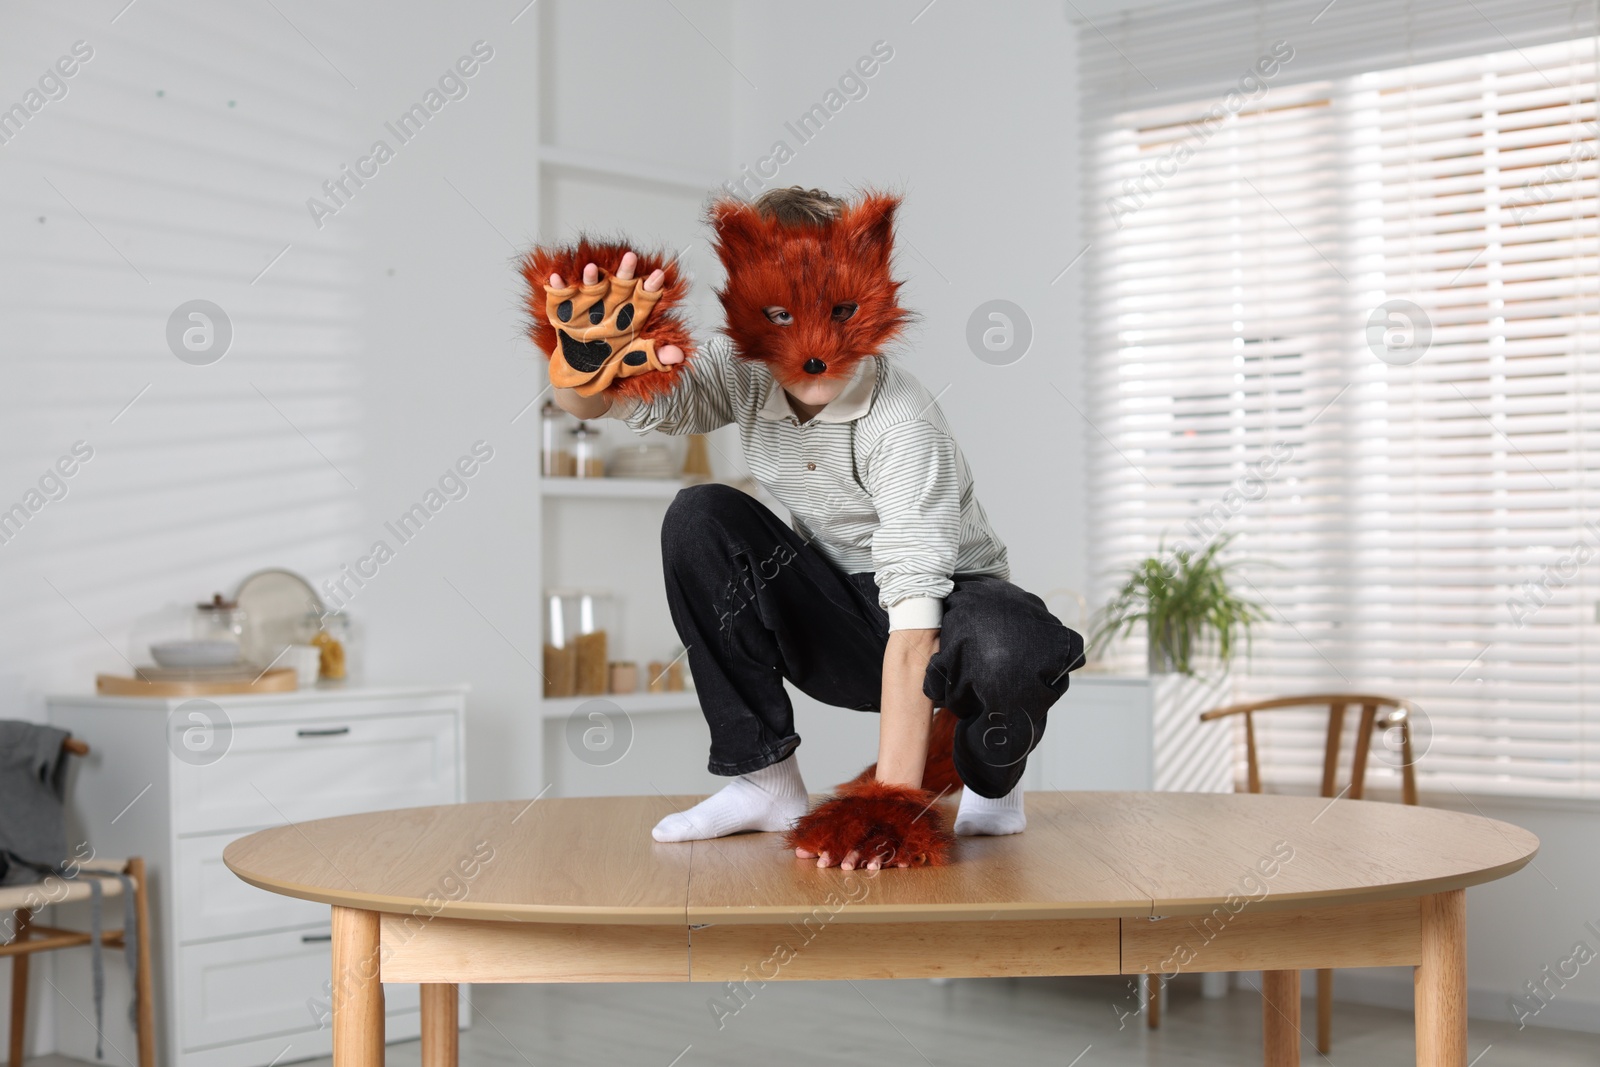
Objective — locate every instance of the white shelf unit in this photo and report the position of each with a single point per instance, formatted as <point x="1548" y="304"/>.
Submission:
<point x="584" y="523"/>
<point x="632" y="703"/>
<point x="604" y="533"/>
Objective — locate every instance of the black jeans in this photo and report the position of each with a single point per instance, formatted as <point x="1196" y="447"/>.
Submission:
<point x="754" y="604"/>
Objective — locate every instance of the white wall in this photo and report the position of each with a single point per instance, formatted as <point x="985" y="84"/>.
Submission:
<point x="174" y="168"/>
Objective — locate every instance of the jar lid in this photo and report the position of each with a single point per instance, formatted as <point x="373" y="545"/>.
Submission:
<point x="216" y="603"/>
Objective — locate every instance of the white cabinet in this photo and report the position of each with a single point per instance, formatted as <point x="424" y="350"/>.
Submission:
<point x="323" y="762"/>
<point x="215" y="903"/>
<point x="241" y="974"/>
<point x="257" y="985"/>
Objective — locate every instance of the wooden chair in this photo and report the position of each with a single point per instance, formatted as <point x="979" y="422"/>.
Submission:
<point x="29" y="938"/>
<point x="1387" y="713"/>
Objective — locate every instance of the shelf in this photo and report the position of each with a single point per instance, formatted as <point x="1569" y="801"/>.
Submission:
<point x="617" y="488"/>
<point x="630" y="703"/>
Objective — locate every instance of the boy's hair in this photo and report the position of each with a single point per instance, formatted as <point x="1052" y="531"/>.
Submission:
<point x="797" y="205"/>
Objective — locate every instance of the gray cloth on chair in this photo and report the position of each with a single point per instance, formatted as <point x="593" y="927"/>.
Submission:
<point x="33" y="781"/>
<point x="130" y="952"/>
<point x="33" y="843"/>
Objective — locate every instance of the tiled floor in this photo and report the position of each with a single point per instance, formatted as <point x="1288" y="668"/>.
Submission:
<point x="1056" y="1021"/>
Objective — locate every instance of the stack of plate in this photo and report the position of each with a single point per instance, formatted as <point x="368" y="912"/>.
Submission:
<point x="642" y="461"/>
<point x="194" y="655"/>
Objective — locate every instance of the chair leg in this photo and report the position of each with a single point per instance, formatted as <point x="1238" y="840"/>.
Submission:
<point x="19" y="990"/>
<point x="145" y="986"/>
<point x="1324" y="1010"/>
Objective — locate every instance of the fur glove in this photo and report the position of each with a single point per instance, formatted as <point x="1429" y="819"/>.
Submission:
<point x="894" y="824"/>
<point x="603" y="337"/>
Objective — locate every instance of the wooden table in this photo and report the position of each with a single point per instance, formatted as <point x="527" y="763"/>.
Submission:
<point x="1101" y="883"/>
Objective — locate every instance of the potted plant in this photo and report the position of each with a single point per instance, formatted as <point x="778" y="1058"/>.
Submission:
<point x="1184" y="600"/>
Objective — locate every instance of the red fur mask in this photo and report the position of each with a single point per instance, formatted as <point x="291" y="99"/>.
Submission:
<point x="832" y="280"/>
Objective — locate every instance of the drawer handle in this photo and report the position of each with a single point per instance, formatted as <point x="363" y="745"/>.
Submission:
<point x="311" y="939"/>
<point x="334" y="731"/>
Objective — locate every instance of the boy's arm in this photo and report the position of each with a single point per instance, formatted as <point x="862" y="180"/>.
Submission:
<point x="701" y="399"/>
<point x="912" y="475"/>
<point x="915" y="486"/>
<point x="581" y="407"/>
<point x="904" y="713"/>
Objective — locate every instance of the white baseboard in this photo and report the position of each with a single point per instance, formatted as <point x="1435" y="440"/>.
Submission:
<point x="1393" y="989"/>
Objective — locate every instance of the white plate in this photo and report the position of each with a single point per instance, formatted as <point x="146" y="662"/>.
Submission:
<point x="275" y="604"/>
<point x="211" y="653"/>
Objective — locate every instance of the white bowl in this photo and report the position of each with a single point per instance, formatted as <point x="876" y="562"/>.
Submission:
<point x="212" y="653"/>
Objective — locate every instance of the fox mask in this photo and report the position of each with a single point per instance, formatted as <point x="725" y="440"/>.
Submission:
<point x="809" y="300"/>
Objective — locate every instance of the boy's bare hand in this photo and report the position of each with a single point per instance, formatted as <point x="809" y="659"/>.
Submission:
<point x="668" y="354"/>
<point x="849" y="863"/>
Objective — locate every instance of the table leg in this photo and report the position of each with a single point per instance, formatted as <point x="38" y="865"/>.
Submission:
<point x="1280" y="1018"/>
<point x="357" y="989"/>
<point x="1152" y="1001"/>
<point x="1324" y="1010"/>
<point x="1441" y="982"/>
<point x="441" y="1023"/>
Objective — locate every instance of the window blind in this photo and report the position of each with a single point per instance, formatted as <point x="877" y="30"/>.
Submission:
<point x="1354" y="322"/>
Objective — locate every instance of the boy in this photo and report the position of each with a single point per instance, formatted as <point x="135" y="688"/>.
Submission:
<point x="890" y="590"/>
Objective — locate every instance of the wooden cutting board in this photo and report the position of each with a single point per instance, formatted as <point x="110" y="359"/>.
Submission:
<point x="177" y="682"/>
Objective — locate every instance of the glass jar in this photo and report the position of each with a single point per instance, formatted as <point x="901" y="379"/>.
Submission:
<point x="338" y="638"/>
<point x="555" y="449"/>
<point x="586" y="458"/>
<point x="218" y="620"/>
<point x="576" y="628"/>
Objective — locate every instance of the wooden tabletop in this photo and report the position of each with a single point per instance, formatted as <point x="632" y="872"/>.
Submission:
<point x="1084" y="855"/>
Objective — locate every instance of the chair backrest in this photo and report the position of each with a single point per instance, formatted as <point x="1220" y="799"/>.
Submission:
<point x="1389" y="713"/>
<point x="33" y="783"/>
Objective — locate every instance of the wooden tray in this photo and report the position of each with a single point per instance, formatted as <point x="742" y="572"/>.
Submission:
<point x="166" y="682"/>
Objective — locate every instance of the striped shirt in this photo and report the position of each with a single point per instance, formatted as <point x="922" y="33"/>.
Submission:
<point x="874" y="480"/>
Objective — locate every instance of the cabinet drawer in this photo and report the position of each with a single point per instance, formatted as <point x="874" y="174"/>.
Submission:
<point x="215" y="902"/>
<point x="316" y="767"/>
<point x="252" y="987"/>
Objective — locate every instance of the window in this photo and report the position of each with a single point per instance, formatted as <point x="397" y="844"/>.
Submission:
<point x="1355" y="322"/>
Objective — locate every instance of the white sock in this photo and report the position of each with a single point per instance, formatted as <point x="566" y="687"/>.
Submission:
<point x="981" y="816"/>
<point x="769" y="799"/>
